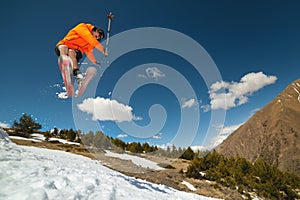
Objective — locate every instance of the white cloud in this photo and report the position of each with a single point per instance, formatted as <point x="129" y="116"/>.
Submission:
<point x="225" y="95"/>
<point x="252" y="112"/>
<point x="152" y="72"/>
<point x="4" y="125"/>
<point x="217" y="140"/>
<point x="225" y="130"/>
<point x="157" y="136"/>
<point x="223" y="133"/>
<point x="106" y="109"/>
<point x="198" y="148"/>
<point x="205" y="108"/>
<point x="188" y="103"/>
<point x="165" y="146"/>
<point x="122" y="136"/>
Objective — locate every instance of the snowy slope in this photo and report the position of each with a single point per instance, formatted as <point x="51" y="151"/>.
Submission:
<point x="35" y="173"/>
<point x="135" y="159"/>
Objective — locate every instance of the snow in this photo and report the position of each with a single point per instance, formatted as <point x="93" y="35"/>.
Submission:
<point x="22" y="138"/>
<point x="63" y="141"/>
<point x="135" y="159"/>
<point x="36" y="137"/>
<point x="190" y="186"/>
<point x="202" y="173"/>
<point x="4" y="136"/>
<point x="298" y="94"/>
<point x="36" y="173"/>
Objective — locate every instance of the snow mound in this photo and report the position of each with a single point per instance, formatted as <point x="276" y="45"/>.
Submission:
<point x="36" y="173"/>
<point x="37" y="137"/>
<point x="135" y="159"/>
<point x="4" y="136"/>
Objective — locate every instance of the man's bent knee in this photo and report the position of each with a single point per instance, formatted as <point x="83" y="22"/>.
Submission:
<point x="61" y="50"/>
<point x="76" y="54"/>
<point x="72" y="54"/>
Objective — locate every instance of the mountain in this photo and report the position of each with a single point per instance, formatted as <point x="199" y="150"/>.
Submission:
<point x="272" y="133"/>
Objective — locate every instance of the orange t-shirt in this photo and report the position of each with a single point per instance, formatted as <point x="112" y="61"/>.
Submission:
<point x="81" y="38"/>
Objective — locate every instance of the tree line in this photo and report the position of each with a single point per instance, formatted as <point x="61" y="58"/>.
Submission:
<point x="67" y="134"/>
<point x="237" y="173"/>
<point x="26" y="126"/>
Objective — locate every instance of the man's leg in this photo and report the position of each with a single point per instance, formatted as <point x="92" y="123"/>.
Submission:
<point x="63" y="49"/>
<point x="72" y="55"/>
<point x="76" y="72"/>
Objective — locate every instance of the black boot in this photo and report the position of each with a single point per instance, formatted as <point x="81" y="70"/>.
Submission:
<point x="78" y="76"/>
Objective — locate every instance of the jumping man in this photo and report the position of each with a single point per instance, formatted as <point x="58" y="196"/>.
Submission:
<point x="81" y="39"/>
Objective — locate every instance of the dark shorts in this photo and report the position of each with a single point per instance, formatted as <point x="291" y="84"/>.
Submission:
<point x="78" y="53"/>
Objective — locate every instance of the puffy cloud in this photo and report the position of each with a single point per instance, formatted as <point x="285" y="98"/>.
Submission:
<point x="225" y="95"/>
<point x="223" y="133"/>
<point x="188" y="103"/>
<point x="217" y="140"/>
<point x="225" y="130"/>
<point x="107" y="109"/>
<point x="157" y="136"/>
<point x="152" y="72"/>
<point x="199" y="148"/>
<point x="122" y="136"/>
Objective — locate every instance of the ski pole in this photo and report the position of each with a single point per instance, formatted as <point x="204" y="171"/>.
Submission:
<point x="110" y="16"/>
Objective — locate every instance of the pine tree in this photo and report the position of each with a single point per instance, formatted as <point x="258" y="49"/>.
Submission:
<point x="119" y="143"/>
<point x="188" y="154"/>
<point x="26" y="126"/>
<point x="71" y="135"/>
<point x="48" y="135"/>
<point x="146" y="147"/>
<point x="63" y="134"/>
<point x="55" y="132"/>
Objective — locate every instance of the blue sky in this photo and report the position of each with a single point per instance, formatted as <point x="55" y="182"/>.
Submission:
<point x="252" y="48"/>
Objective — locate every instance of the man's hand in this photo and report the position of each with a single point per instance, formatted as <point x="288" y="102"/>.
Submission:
<point x="97" y="63"/>
<point x="105" y="53"/>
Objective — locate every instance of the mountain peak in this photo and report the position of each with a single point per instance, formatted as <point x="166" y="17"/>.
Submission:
<point x="272" y="133"/>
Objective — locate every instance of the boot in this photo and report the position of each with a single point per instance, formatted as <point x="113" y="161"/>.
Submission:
<point x="78" y="76"/>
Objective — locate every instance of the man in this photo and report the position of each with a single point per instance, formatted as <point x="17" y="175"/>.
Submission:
<point x="81" y="39"/>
